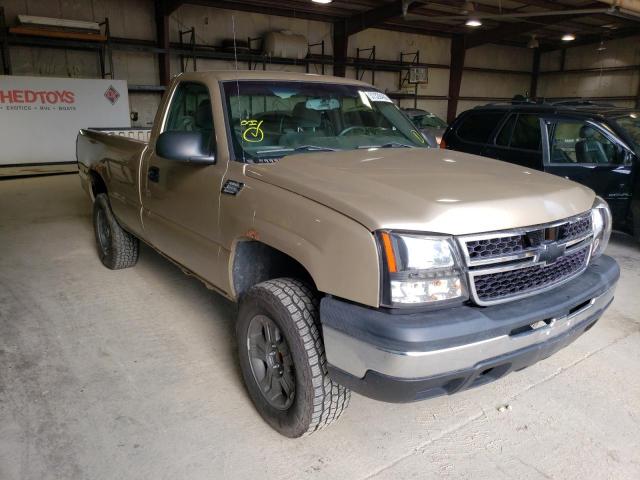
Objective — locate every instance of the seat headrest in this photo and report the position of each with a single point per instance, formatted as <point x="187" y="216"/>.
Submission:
<point x="587" y="131"/>
<point x="204" y="117"/>
<point x="305" y="117"/>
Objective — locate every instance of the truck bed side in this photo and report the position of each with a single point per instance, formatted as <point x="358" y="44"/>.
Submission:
<point x="109" y="162"/>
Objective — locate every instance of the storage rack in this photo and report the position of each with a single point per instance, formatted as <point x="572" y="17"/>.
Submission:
<point x="189" y="44"/>
<point x="405" y="73"/>
<point x="254" y="58"/>
<point x="311" y="46"/>
<point x="194" y="50"/>
<point x="105" y="53"/>
<point x="370" y="59"/>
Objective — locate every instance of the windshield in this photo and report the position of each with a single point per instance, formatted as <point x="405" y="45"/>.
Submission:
<point x="271" y="119"/>
<point x="631" y="124"/>
<point x="429" y="120"/>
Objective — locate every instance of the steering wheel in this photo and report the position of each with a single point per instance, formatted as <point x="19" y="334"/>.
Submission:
<point x="351" y="129"/>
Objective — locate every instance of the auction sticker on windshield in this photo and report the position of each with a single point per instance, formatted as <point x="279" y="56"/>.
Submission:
<point x="377" y="97"/>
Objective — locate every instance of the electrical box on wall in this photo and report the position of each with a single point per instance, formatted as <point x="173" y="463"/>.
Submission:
<point x="418" y="75"/>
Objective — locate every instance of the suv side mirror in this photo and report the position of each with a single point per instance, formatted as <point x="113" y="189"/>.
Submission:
<point x="188" y="147"/>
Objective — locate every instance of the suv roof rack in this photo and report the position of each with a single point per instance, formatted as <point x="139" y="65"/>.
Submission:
<point x="581" y="103"/>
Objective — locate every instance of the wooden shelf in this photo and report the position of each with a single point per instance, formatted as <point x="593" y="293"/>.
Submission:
<point x="48" y="33"/>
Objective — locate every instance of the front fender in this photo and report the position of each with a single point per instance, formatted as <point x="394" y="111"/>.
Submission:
<point x="340" y="254"/>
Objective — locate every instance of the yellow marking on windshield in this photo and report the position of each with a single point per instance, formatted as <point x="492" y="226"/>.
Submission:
<point x="253" y="132"/>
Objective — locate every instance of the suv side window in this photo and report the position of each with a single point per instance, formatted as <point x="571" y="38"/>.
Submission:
<point x="190" y="110"/>
<point x="521" y="131"/>
<point x="578" y="142"/>
<point x="504" y="137"/>
<point x="477" y="126"/>
<point x="526" y="133"/>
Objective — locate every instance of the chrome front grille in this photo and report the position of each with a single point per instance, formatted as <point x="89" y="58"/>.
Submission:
<point x="494" y="247"/>
<point x="507" y="265"/>
<point x="512" y="282"/>
<point x="575" y="229"/>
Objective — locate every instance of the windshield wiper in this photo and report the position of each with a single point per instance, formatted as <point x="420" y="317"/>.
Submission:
<point x="388" y="145"/>
<point x="301" y="148"/>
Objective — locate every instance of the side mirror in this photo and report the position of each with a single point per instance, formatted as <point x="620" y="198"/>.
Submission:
<point x="187" y="147"/>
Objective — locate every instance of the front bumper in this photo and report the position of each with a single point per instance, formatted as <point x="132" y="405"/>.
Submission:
<point x="409" y="357"/>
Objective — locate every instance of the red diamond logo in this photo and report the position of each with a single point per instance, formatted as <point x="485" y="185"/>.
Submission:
<point x="112" y="95"/>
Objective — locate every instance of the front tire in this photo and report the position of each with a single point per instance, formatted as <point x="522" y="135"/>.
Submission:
<point x="283" y="361"/>
<point x="117" y="247"/>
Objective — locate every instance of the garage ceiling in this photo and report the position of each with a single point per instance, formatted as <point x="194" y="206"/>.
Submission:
<point x="509" y="22"/>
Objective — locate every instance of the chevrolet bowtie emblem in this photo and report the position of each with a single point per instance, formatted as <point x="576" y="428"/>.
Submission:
<point x="549" y="252"/>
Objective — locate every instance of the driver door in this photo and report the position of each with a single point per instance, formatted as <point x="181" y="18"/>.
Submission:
<point x="585" y="152"/>
<point x="180" y="200"/>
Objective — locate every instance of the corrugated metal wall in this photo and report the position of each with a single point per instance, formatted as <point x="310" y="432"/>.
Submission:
<point x="135" y="19"/>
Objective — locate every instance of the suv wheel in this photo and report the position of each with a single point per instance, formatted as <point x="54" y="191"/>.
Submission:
<point x="283" y="361"/>
<point x="117" y="247"/>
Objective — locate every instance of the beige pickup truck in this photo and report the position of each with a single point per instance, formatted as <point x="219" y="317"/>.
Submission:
<point x="361" y="259"/>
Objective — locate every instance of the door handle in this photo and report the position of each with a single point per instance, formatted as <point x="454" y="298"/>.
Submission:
<point x="153" y="174"/>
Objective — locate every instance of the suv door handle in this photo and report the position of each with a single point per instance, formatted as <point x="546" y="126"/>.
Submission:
<point x="153" y="174"/>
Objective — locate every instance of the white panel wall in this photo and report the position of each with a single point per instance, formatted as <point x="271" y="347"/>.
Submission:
<point x="496" y="85"/>
<point x="619" y="53"/>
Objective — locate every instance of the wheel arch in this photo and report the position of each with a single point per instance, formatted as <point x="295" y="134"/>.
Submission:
<point x="254" y="261"/>
<point x="97" y="185"/>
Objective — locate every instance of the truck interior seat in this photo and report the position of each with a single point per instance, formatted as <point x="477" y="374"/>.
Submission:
<point x="305" y="119"/>
<point x="204" y="116"/>
<point x="306" y="124"/>
<point x="203" y="120"/>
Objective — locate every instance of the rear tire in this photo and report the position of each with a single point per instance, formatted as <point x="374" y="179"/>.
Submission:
<point x="117" y="247"/>
<point x="278" y="331"/>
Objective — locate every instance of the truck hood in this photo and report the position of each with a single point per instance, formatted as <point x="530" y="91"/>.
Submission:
<point x="427" y="190"/>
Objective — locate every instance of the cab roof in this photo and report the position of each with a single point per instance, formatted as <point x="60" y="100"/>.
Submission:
<point x="226" y="75"/>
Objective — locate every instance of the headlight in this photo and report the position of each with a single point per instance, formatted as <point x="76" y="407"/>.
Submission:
<point x="420" y="269"/>
<point x="601" y="220"/>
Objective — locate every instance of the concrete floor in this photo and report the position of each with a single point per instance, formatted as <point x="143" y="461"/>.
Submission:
<point x="132" y="374"/>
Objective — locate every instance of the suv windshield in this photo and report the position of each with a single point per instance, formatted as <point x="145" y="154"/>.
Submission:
<point x="631" y="124"/>
<point x="271" y="119"/>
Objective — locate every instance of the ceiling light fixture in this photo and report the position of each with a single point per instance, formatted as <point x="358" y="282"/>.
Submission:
<point x="568" y="37"/>
<point x="322" y="2"/>
<point x="602" y="47"/>
<point x="473" y="22"/>
<point x="533" y="42"/>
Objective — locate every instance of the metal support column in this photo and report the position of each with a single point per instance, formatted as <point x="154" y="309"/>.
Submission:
<point x="340" y="48"/>
<point x="4" y="45"/>
<point x="458" y="52"/>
